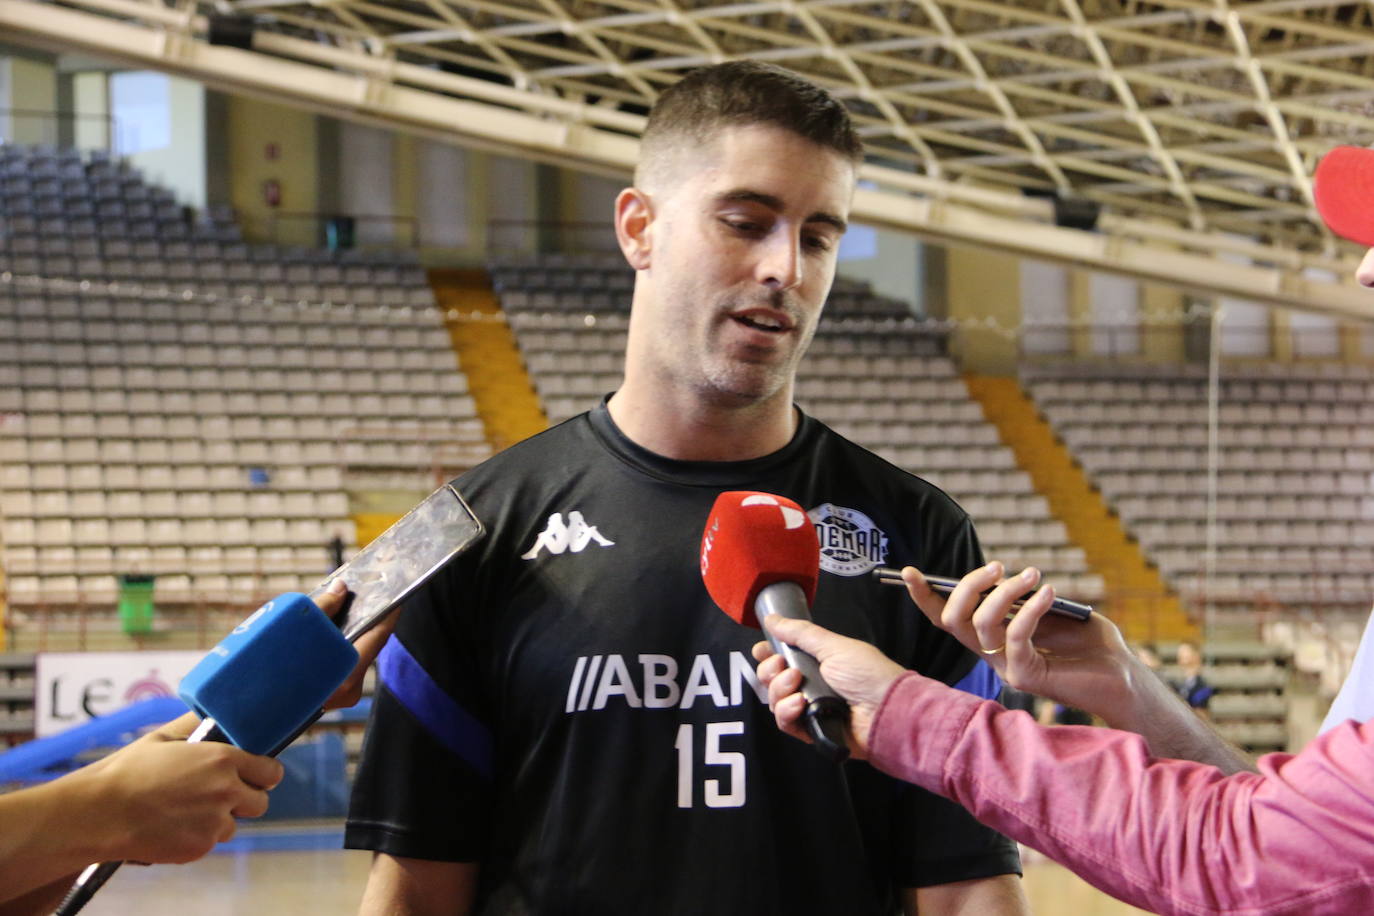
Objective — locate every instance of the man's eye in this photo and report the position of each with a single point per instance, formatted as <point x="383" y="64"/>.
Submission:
<point x="743" y="225"/>
<point x="817" y="242"/>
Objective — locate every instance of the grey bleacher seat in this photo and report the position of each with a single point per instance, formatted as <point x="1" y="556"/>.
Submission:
<point x="1285" y="464"/>
<point x="129" y="396"/>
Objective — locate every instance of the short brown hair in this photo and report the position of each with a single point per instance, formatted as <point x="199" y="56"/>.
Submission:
<point x="740" y="93"/>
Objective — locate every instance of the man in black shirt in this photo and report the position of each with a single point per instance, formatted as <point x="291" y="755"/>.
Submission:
<point x="564" y="722"/>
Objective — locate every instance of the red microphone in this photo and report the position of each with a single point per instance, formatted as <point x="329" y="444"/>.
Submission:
<point x="1343" y="188"/>
<point x="760" y="556"/>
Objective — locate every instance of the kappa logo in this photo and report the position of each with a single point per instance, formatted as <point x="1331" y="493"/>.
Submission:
<point x="851" y="544"/>
<point x="559" y="536"/>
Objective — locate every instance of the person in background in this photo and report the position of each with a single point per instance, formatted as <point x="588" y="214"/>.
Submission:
<point x="1012" y="698"/>
<point x="1059" y="714"/>
<point x="336" y="551"/>
<point x="1192" y="686"/>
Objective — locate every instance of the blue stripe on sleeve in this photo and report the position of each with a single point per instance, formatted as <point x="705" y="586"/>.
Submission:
<point x="448" y="722"/>
<point x="981" y="681"/>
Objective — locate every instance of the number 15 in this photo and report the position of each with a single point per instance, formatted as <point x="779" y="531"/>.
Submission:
<point x="733" y="797"/>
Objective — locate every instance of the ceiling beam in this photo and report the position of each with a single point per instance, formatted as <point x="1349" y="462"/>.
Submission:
<point x="356" y="85"/>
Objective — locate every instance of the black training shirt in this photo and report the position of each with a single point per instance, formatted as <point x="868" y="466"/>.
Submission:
<point x="565" y="704"/>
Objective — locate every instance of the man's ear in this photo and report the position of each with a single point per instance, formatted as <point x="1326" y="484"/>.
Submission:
<point x="633" y="216"/>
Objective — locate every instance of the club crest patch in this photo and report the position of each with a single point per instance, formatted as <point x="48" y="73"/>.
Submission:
<point x="851" y="544"/>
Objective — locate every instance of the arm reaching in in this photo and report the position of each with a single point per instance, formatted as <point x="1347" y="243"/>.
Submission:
<point x="862" y="674"/>
<point x="157" y="800"/>
<point x="1170" y="836"/>
<point x="1083" y="664"/>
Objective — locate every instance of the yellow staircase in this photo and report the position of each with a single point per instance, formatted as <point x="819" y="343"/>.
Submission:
<point x="500" y="386"/>
<point x="370" y="524"/>
<point x="1137" y="597"/>
<point x="374" y="511"/>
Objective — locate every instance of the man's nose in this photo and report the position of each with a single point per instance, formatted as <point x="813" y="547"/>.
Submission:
<point x="780" y="267"/>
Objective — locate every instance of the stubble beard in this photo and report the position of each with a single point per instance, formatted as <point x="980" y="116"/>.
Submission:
<point x="733" y="381"/>
<point x="741" y="384"/>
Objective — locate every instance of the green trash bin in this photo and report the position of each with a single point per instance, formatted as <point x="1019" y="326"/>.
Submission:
<point x="136" y="604"/>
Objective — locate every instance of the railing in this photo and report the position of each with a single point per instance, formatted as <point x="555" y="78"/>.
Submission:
<point x="194" y="620"/>
<point x="333" y="230"/>
<point x="523" y="236"/>
<point x="1186" y="336"/>
<point x="49" y="127"/>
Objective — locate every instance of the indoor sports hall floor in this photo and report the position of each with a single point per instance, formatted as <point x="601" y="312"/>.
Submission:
<point x="300" y="869"/>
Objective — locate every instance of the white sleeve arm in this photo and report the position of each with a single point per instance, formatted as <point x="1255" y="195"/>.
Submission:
<point x="1356" y="697"/>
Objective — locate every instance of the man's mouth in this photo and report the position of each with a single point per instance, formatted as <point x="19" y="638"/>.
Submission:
<point x="763" y="321"/>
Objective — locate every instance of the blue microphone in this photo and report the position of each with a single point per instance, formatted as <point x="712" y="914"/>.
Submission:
<point x="268" y="679"/>
<point x="264" y="684"/>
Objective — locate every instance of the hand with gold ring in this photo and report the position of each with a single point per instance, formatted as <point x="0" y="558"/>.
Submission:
<point x="1086" y="665"/>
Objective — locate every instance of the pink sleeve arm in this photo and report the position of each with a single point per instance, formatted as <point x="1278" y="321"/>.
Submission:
<point x="1170" y="836"/>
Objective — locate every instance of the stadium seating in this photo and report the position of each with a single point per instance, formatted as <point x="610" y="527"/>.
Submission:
<point x="174" y="401"/>
<point x="1294" y="494"/>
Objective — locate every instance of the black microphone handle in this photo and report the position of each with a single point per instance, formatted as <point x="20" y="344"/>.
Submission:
<point x="827" y="714"/>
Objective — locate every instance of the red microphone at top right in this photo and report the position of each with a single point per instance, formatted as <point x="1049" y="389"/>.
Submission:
<point x="1343" y="189"/>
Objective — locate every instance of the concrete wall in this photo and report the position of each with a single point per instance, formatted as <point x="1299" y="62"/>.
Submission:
<point x="426" y="193"/>
<point x="28" y="87"/>
<point x="1066" y="312"/>
<point x="91" y="99"/>
<point x="981" y="284"/>
<point x="365" y="182"/>
<point x="1046" y="308"/>
<point x="586" y="211"/>
<point x="445" y="207"/>
<point x="269" y="142"/>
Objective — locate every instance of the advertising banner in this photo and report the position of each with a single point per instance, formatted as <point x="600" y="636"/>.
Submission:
<point x="71" y="687"/>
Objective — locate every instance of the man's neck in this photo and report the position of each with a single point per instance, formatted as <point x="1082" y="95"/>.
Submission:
<point x="681" y="426"/>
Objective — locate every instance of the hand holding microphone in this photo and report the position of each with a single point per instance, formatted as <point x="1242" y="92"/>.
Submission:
<point x="171" y="801"/>
<point x="157" y="800"/>
<point x="859" y="672"/>
<point x="271" y="678"/>
<point x="760" y="558"/>
<point x="264" y="684"/>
